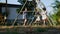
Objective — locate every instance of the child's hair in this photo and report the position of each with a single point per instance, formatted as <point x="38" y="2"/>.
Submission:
<point x="44" y="9"/>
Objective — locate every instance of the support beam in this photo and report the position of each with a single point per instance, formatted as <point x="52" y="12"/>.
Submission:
<point x="0" y="8"/>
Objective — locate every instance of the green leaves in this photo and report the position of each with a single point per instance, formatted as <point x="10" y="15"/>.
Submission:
<point x="56" y="16"/>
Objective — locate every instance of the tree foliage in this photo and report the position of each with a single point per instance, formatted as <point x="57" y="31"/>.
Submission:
<point x="56" y="15"/>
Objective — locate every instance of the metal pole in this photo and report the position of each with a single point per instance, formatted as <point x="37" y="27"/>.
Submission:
<point x="5" y="12"/>
<point x="6" y="8"/>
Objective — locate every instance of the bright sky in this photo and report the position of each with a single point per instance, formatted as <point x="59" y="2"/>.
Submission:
<point x="47" y="3"/>
<point x="11" y="2"/>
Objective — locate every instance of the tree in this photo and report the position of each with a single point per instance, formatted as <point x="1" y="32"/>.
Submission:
<point x="57" y="8"/>
<point x="30" y="5"/>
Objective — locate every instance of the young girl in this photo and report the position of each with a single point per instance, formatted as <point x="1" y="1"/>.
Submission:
<point x="44" y="17"/>
<point x="41" y="6"/>
<point x="24" y="16"/>
<point x="37" y="16"/>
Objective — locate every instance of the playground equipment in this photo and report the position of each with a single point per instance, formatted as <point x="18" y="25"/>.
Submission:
<point x="32" y="10"/>
<point x="49" y="20"/>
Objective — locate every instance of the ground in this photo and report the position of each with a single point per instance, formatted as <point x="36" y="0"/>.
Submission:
<point x="28" y="30"/>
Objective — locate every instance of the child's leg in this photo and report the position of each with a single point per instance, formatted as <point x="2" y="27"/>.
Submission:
<point x="43" y="22"/>
<point x="25" y="21"/>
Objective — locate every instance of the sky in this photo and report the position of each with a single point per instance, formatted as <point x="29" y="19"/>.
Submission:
<point x="47" y="4"/>
<point x="11" y="2"/>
